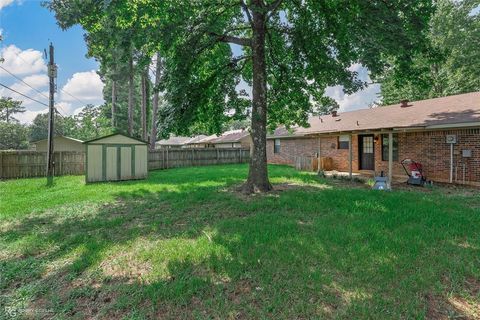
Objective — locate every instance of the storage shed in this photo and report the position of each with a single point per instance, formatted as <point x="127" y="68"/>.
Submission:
<point x="115" y="157"/>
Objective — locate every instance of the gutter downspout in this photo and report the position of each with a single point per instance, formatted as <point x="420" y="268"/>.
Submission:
<point x="350" y="157"/>
<point x="451" y="162"/>
<point x="390" y="157"/>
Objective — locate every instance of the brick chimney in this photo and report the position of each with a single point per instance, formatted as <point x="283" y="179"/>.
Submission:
<point x="404" y="103"/>
<point x="334" y="113"/>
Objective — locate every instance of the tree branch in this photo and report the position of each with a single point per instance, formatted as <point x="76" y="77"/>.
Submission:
<point x="274" y="6"/>
<point x="232" y="39"/>
<point x="247" y="12"/>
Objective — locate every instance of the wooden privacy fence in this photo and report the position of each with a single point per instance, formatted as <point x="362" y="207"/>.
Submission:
<point x="313" y="163"/>
<point x="26" y="164"/>
<point x="305" y="163"/>
<point x="175" y="158"/>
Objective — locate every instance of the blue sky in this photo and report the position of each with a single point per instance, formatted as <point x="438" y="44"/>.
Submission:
<point x="27" y="30"/>
<point x="29" y="25"/>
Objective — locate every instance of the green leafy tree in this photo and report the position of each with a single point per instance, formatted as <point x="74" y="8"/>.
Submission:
<point x="91" y="123"/>
<point x="9" y="107"/>
<point x="290" y="52"/>
<point x="121" y="42"/>
<point x="452" y="67"/>
<point x="64" y="126"/>
<point x="13" y="136"/>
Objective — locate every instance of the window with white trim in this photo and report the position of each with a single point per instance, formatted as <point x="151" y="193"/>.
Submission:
<point x="343" y="141"/>
<point x="276" y="146"/>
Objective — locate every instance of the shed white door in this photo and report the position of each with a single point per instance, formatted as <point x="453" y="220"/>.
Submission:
<point x="126" y="163"/>
<point x="112" y="163"/>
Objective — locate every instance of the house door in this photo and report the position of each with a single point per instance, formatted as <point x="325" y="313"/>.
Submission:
<point x="366" y="147"/>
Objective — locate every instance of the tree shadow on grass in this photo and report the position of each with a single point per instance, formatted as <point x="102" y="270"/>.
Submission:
<point x="337" y="253"/>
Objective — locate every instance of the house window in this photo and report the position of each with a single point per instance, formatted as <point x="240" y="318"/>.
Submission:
<point x="276" y="146"/>
<point x="385" y="147"/>
<point x="343" y="142"/>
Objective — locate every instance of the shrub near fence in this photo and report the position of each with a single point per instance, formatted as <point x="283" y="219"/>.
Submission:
<point x="26" y="164"/>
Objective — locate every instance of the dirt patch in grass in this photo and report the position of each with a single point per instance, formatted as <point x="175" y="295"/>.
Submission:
<point x="275" y="192"/>
<point x="126" y="266"/>
<point x="454" y="305"/>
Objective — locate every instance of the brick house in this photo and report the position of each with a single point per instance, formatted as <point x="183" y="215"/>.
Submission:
<point x="443" y="134"/>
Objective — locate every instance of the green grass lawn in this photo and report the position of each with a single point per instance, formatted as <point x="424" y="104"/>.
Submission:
<point x="184" y="245"/>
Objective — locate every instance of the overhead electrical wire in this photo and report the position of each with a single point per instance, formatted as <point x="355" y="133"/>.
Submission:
<point x="13" y="75"/>
<point x="71" y="95"/>
<point x="24" y="95"/>
<point x="21" y="80"/>
<point x="63" y="90"/>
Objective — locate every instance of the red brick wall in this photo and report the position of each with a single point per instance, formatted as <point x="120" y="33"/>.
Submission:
<point x="328" y="147"/>
<point x="429" y="148"/>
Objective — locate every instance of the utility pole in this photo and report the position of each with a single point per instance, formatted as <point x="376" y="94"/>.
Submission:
<point x="52" y="74"/>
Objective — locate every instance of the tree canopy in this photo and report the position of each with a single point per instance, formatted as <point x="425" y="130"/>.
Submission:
<point x="9" y="107"/>
<point x="288" y="52"/>
<point x="453" y="65"/>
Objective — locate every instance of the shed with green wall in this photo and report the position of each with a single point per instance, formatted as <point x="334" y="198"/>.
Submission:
<point x="115" y="157"/>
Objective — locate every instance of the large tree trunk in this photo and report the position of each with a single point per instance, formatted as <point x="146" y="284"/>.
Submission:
<point x="114" y="101"/>
<point x="258" y="173"/>
<point x="158" y="71"/>
<point x="131" y="88"/>
<point x="144" y="106"/>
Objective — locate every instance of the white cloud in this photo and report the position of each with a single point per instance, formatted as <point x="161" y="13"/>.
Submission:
<point x="65" y="108"/>
<point x="5" y="3"/>
<point x="22" y="62"/>
<point x="38" y="81"/>
<point x="359" y="100"/>
<point x="29" y="65"/>
<point x="29" y="104"/>
<point x="29" y="115"/>
<point x="85" y="86"/>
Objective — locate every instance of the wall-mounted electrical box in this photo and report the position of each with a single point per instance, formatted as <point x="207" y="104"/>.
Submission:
<point x="451" y="138"/>
<point x="466" y="153"/>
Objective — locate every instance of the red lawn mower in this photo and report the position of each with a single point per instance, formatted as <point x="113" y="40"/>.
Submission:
<point x="414" y="172"/>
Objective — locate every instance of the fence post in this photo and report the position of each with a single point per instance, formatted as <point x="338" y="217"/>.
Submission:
<point x="60" y="165"/>
<point x="1" y="165"/>
<point x="217" y="156"/>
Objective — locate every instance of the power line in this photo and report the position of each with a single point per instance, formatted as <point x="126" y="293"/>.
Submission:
<point x="19" y="56"/>
<point x="13" y="75"/>
<point x="24" y="95"/>
<point x="32" y="88"/>
<point x="71" y="95"/>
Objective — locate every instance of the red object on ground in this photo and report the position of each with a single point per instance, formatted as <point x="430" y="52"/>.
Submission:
<point x="415" y="166"/>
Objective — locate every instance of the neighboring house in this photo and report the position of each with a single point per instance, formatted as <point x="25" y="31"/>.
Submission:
<point x="172" y="142"/>
<point x="60" y="144"/>
<point x="195" y="142"/>
<point x="443" y="134"/>
<point x="229" y="139"/>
